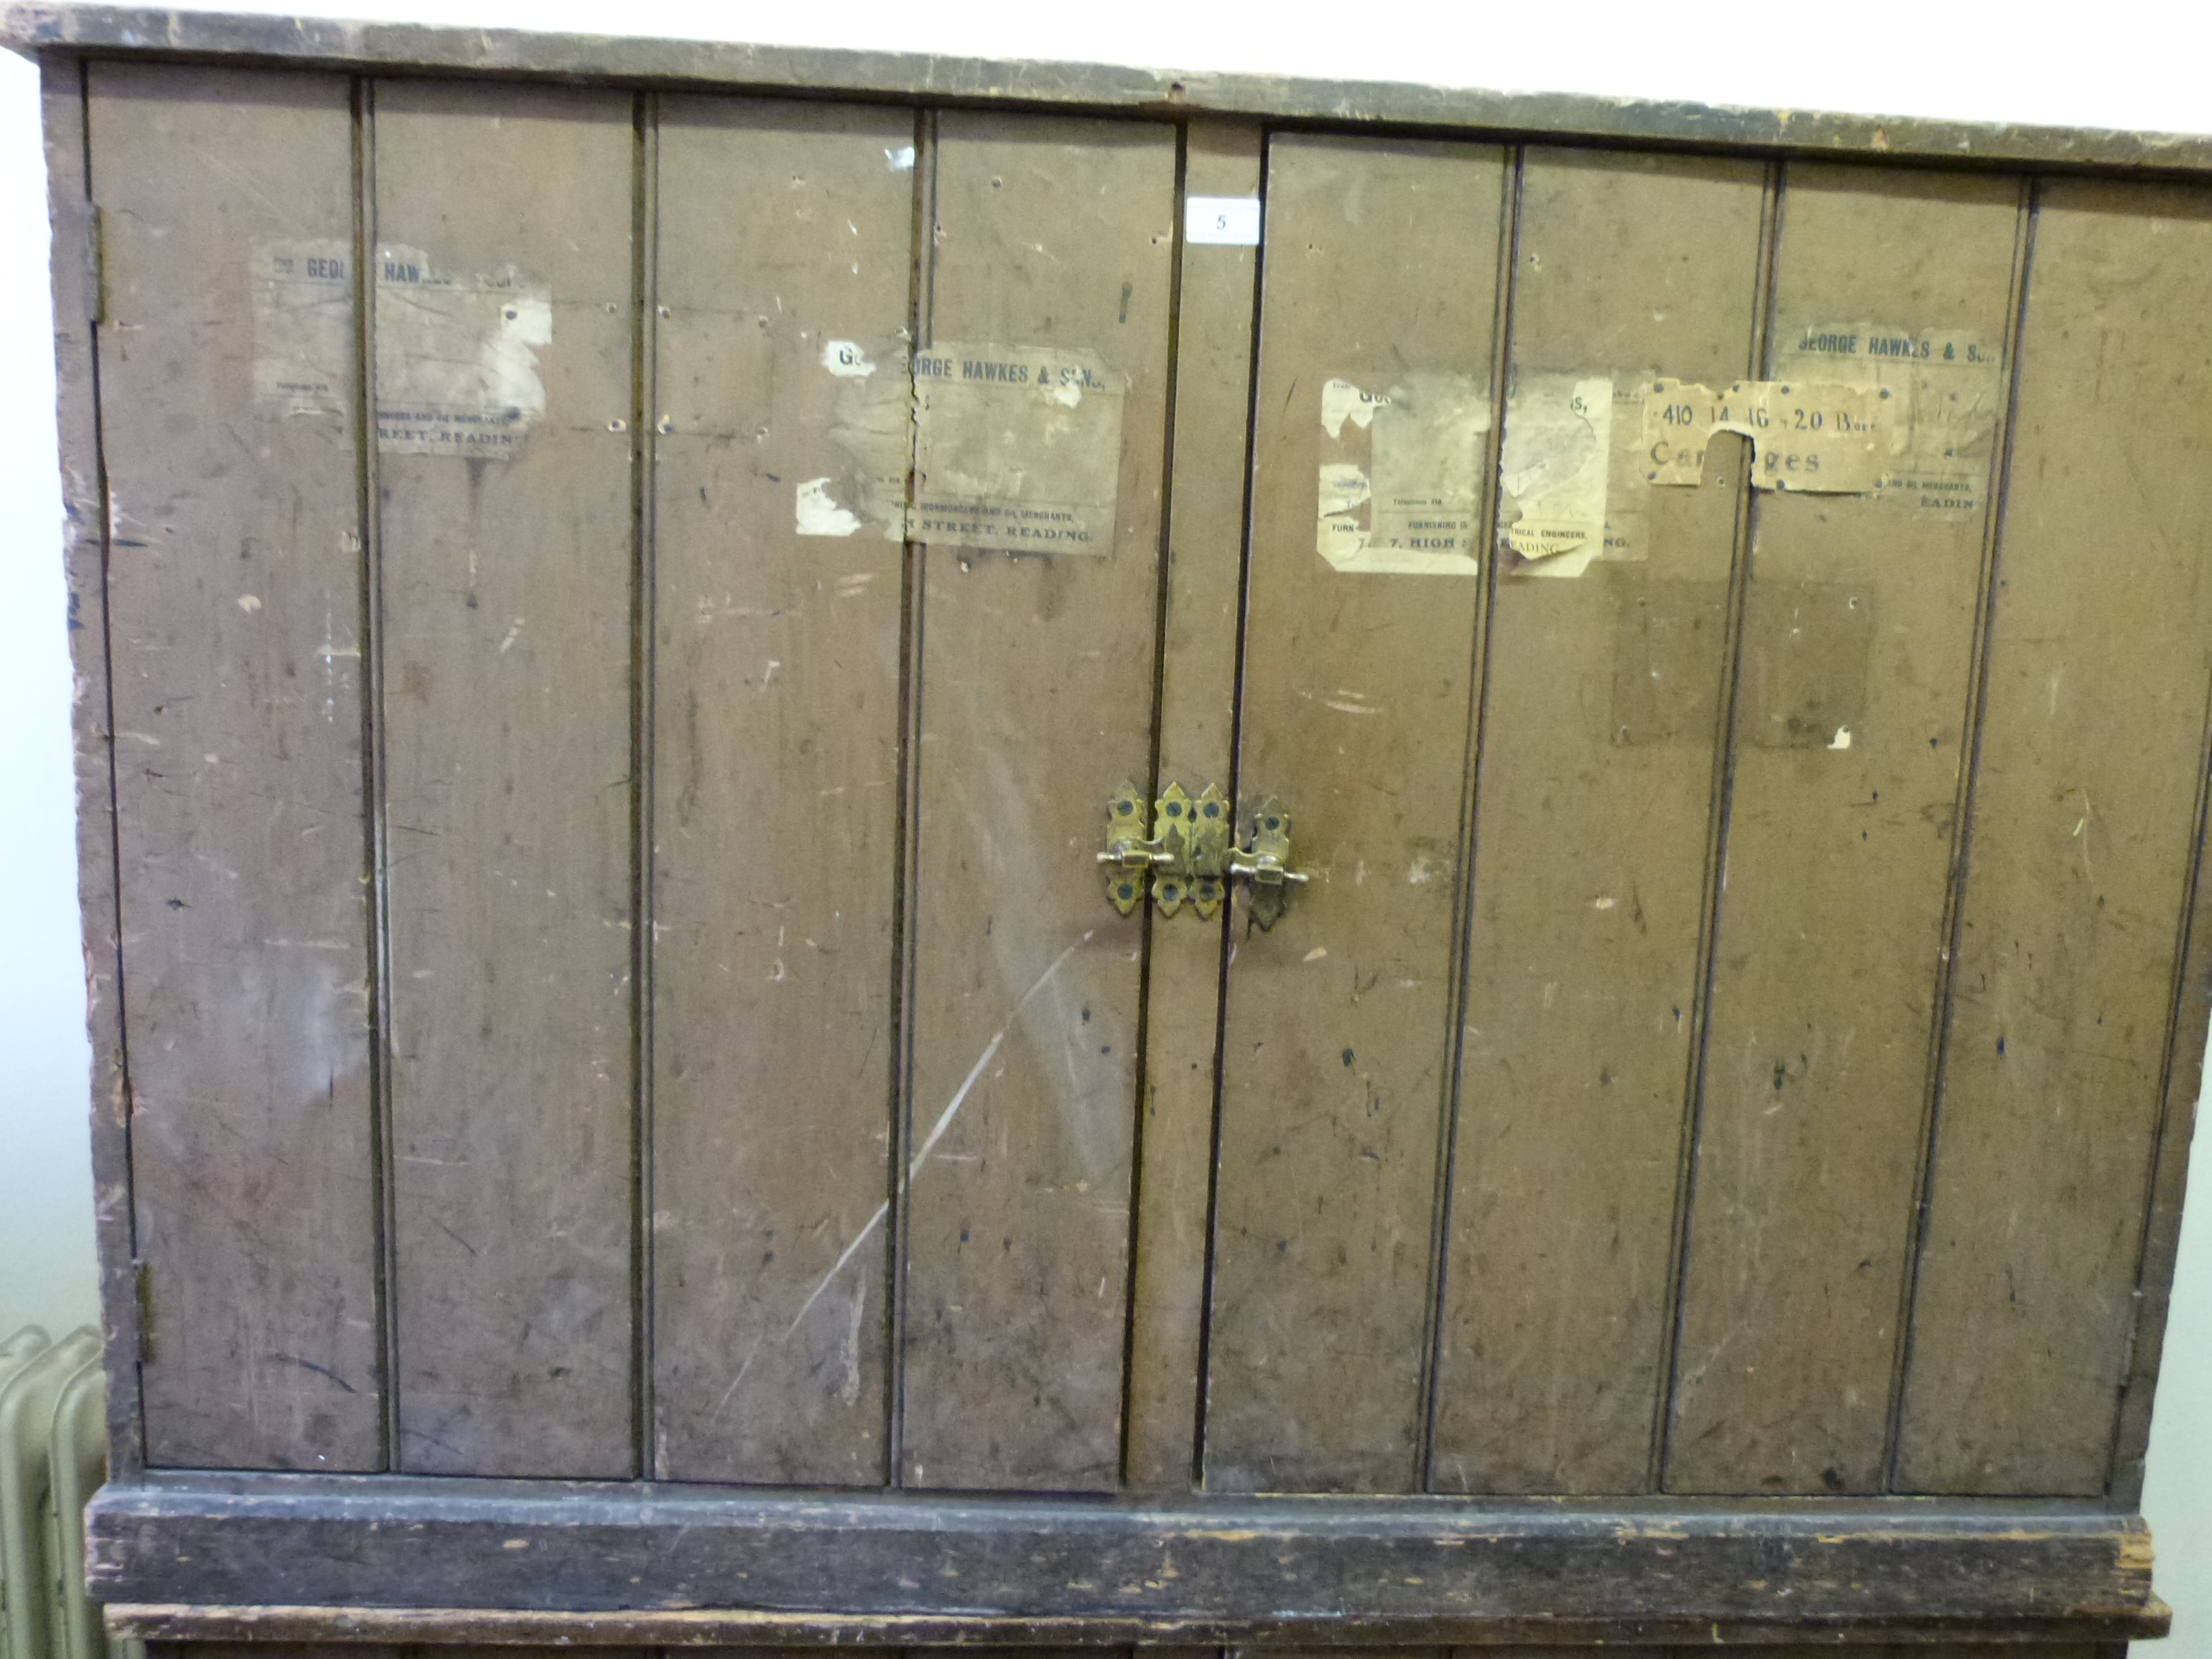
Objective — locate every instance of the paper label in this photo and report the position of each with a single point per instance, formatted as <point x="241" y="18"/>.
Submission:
<point x="1810" y="436"/>
<point x="1554" y="469"/>
<point x="1221" y="221"/>
<point x="1017" y="447"/>
<point x="873" y="430"/>
<point x="457" y="368"/>
<point x="819" y="513"/>
<point x="302" y="328"/>
<point x="1400" y="485"/>
<point x="848" y="359"/>
<point x="1949" y="388"/>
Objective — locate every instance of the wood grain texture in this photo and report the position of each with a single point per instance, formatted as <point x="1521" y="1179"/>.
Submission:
<point x="280" y="1650"/>
<point x="1591" y="834"/>
<point x="1382" y="261"/>
<point x="249" y="1649"/>
<point x="2103" y="1635"/>
<point x="2083" y="828"/>
<point x="1169" y="1569"/>
<point x="84" y="552"/>
<point x="2184" y="1086"/>
<point x="1205" y="540"/>
<point x="234" y="596"/>
<point x="507" y="596"/>
<point x="1036" y="688"/>
<point x="1859" y="629"/>
<point x="41" y="26"/>
<point x="782" y="228"/>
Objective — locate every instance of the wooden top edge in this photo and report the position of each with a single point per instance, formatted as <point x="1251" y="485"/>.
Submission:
<point x="718" y="1627"/>
<point x="44" y="27"/>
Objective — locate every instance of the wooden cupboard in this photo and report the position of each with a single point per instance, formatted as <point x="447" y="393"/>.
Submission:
<point x="851" y="875"/>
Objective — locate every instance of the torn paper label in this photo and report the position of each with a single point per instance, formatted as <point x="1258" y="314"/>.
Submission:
<point x="847" y="359"/>
<point x="457" y="369"/>
<point x="1947" y="388"/>
<point x="1017" y="447"/>
<point x="1342" y="401"/>
<point x="819" y="513"/>
<point x="1400" y="487"/>
<point x="1810" y="436"/>
<point x="1555" y="466"/>
<point x="302" y="328"/>
<point x="873" y="437"/>
<point x="1628" y="530"/>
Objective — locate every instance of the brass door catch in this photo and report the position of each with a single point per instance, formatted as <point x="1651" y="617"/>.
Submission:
<point x="1183" y="853"/>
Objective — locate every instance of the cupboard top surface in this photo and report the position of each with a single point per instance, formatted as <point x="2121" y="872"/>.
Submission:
<point x="303" y="41"/>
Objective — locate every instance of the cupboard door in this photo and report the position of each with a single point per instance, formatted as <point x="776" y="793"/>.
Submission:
<point x="1041" y="398"/>
<point x="1382" y="283"/>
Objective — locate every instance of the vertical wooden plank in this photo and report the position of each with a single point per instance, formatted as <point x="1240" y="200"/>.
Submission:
<point x="785" y="233"/>
<point x="1859" y="638"/>
<point x="83" y="553"/>
<point x="1591" y="826"/>
<point x="507" y="592"/>
<point x="2083" y="831"/>
<point x="1383" y="264"/>
<point x="1205" y="540"/>
<point x="2184" y="1085"/>
<point x="1036" y="688"/>
<point x="234" y="598"/>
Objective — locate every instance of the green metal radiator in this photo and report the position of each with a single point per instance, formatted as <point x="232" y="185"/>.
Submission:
<point x="53" y="1457"/>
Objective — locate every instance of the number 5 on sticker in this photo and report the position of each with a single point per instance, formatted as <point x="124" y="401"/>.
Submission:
<point x="1221" y="221"/>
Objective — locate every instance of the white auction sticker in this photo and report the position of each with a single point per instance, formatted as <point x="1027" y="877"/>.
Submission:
<point x="1227" y="221"/>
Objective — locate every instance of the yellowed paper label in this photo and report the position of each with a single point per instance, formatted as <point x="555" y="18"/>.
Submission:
<point x="302" y="328"/>
<point x="1948" y="387"/>
<point x="1400" y="485"/>
<point x="1017" y="447"/>
<point x="1822" y="437"/>
<point x="1554" y="469"/>
<point x="1628" y="492"/>
<point x="871" y="437"/>
<point x="457" y="368"/>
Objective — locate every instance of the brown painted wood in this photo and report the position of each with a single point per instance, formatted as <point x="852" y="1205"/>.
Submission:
<point x="44" y="27"/>
<point x="1036" y="688"/>
<point x="2184" y="1085"/>
<point x="784" y="227"/>
<point x="1592" y="811"/>
<point x="1859" y="627"/>
<point x="1213" y="389"/>
<point x="282" y="1649"/>
<point x="1356" y="694"/>
<point x="234" y="613"/>
<point x="640" y="735"/>
<point x="252" y="1649"/>
<point x="507" y="600"/>
<point x="2083" y="840"/>
<point x="84" y="550"/>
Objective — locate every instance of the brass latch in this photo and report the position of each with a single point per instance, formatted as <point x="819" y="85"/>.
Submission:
<point x="1185" y="855"/>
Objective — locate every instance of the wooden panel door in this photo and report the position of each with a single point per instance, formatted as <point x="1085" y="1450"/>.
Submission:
<point x="235" y="624"/>
<point x="1357" y="699"/>
<point x="1035" y="674"/>
<point x="620" y="980"/>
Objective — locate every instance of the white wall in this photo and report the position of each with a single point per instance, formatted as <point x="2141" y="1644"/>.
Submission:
<point x="2140" y="65"/>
